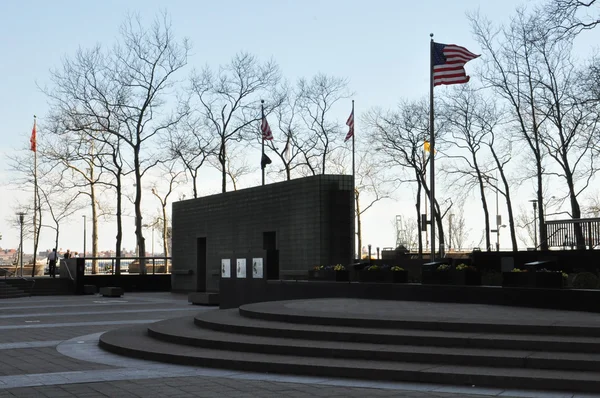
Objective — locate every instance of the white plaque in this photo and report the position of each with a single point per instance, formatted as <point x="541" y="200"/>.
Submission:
<point x="241" y="267"/>
<point x="257" y="268"/>
<point x="225" y="268"/>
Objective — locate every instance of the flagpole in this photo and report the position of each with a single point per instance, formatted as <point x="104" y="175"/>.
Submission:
<point x="431" y="151"/>
<point x="262" y="167"/>
<point x="353" y="179"/>
<point x="35" y="190"/>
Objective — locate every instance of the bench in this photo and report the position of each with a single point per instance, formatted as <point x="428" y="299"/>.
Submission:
<point x="111" y="291"/>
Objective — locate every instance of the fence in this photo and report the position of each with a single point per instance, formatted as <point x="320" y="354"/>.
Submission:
<point x="581" y="233"/>
<point x="128" y="265"/>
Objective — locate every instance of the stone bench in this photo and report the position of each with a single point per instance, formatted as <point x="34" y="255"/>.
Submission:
<point x="203" y="298"/>
<point x="89" y="289"/>
<point x="111" y="291"/>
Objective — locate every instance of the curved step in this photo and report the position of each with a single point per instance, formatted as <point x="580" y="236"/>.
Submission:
<point x="301" y="312"/>
<point x="231" y="321"/>
<point x="184" y="331"/>
<point x="133" y="341"/>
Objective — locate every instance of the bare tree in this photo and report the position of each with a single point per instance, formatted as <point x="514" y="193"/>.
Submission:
<point x="289" y="144"/>
<point x="570" y="17"/>
<point x="229" y="100"/>
<point x="463" y="108"/>
<point x="457" y="229"/>
<point x="371" y="184"/>
<point x="316" y="99"/>
<point x="399" y="138"/>
<point x="173" y="176"/>
<point x="511" y="70"/>
<point x="128" y="84"/>
<point x="237" y="165"/>
<point x="571" y="123"/>
<point x="193" y="144"/>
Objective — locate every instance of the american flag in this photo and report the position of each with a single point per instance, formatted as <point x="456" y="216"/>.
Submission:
<point x="448" y="64"/>
<point x="266" y="130"/>
<point x="350" y="124"/>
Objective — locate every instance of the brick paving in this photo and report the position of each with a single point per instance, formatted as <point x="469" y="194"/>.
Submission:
<point x="48" y="348"/>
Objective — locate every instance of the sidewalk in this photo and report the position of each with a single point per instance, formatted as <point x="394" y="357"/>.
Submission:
<point x="48" y="348"/>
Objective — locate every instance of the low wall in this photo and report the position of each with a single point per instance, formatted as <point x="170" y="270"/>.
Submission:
<point x="131" y="283"/>
<point x="234" y="292"/>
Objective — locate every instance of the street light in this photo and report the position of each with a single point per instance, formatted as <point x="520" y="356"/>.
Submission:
<point x="534" y="203"/>
<point x="450" y="217"/>
<point x="84" y="233"/>
<point x="21" y="221"/>
<point x="151" y="226"/>
<point x="497" y="231"/>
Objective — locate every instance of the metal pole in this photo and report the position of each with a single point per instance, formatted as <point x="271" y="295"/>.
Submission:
<point x="431" y="151"/>
<point x="21" y="220"/>
<point x="262" y="166"/>
<point x="84" y="233"/>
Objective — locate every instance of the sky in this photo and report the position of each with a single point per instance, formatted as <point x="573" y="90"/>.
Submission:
<point x="380" y="46"/>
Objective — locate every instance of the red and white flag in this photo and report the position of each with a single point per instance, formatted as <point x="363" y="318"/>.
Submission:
<point x="266" y="130"/>
<point x="448" y="63"/>
<point x="33" y="139"/>
<point x="350" y="124"/>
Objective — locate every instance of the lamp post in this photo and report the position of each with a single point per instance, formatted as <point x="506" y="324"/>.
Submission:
<point x="21" y="221"/>
<point x="534" y="203"/>
<point x="151" y="226"/>
<point x="450" y="217"/>
<point x="84" y="233"/>
<point x="369" y="246"/>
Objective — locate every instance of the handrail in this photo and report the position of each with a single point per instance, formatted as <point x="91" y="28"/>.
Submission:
<point x="63" y="261"/>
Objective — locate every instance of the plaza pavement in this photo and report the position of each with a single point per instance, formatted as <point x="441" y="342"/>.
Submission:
<point x="48" y="348"/>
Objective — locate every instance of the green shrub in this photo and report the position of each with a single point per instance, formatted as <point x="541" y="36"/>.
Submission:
<point x="585" y="280"/>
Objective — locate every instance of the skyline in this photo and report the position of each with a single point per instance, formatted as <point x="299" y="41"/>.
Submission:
<point x="366" y="44"/>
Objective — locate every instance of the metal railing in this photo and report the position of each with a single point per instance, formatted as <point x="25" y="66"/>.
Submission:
<point x="579" y="233"/>
<point x="127" y="265"/>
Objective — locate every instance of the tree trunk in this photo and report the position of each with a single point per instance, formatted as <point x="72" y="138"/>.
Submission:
<point x="419" y="225"/>
<point x="139" y="233"/>
<point x="486" y="214"/>
<point x="119" y="236"/>
<point x="94" y="222"/>
<point x="165" y="231"/>
<point x="223" y="162"/>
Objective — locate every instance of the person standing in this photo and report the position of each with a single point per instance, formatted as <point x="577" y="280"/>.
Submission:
<point x="52" y="257"/>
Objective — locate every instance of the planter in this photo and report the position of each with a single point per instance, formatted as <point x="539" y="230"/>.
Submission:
<point x="518" y="279"/>
<point x="549" y="280"/>
<point x="329" y="275"/>
<point x="374" y="276"/>
<point x="472" y="278"/>
<point x="399" y="276"/>
<point x="436" y="277"/>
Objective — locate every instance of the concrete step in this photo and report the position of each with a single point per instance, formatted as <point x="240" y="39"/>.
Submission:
<point x="283" y="311"/>
<point x="135" y="342"/>
<point x="41" y="286"/>
<point x="184" y="331"/>
<point x="230" y="321"/>
<point x="8" y="291"/>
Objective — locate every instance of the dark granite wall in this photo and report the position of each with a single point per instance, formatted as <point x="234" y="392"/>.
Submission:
<point x="312" y="217"/>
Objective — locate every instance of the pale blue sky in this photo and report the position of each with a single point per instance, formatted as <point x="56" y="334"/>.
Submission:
<point x="380" y="46"/>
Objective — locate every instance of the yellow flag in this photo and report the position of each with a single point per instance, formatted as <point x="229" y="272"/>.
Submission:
<point x="426" y="146"/>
